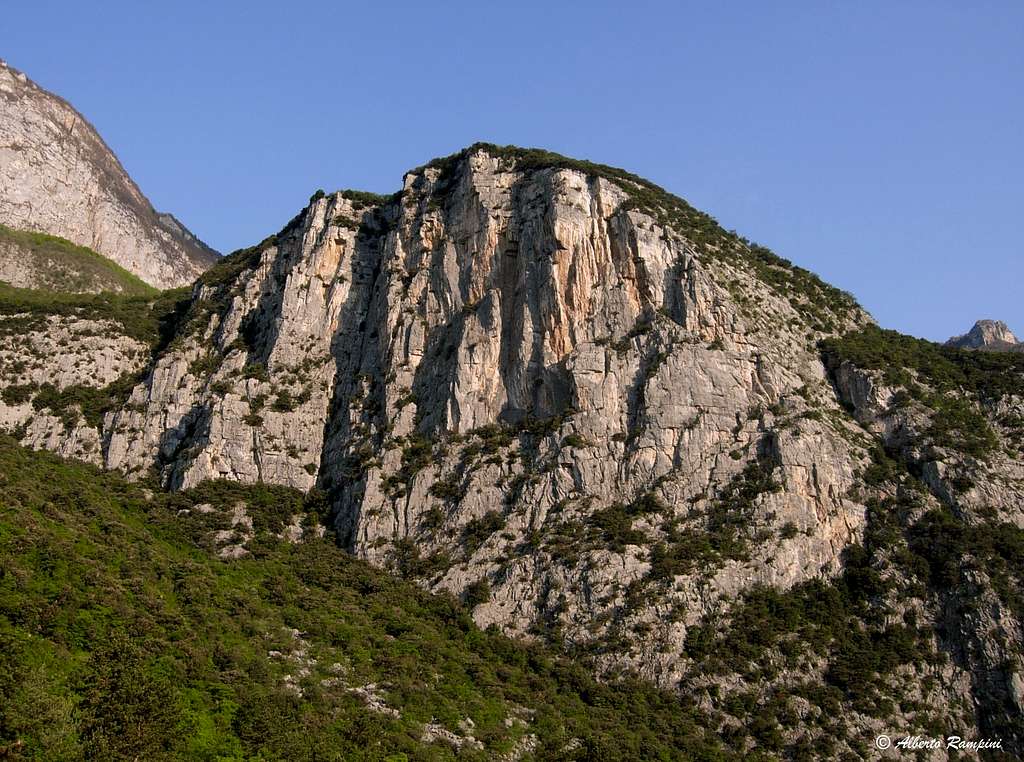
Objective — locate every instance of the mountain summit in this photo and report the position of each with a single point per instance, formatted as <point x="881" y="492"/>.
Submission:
<point x="57" y="176"/>
<point x="986" y="334"/>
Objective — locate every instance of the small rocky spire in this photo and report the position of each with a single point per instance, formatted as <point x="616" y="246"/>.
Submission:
<point x="986" y="334"/>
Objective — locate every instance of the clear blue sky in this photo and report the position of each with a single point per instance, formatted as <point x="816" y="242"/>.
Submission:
<point x="880" y="144"/>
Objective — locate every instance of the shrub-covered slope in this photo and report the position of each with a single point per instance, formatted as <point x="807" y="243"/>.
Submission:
<point x="134" y="625"/>
<point x="68" y="359"/>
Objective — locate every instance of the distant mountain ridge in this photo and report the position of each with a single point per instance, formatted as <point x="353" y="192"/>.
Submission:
<point x="58" y="176"/>
<point x="992" y="335"/>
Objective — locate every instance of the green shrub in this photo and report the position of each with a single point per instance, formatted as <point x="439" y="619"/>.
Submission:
<point x="255" y="370"/>
<point x="478" y="530"/>
<point x="614" y="524"/>
<point x="18" y="394"/>
<point x="417" y="454"/>
<point x="574" y="440"/>
<point x="451" y="490"/>
<point x="220" y="388"/>
<point x="478" y="592"/>
<point x="204" y="365"/>
<point x="284" y="402"/>
<point x="646" y="503"/>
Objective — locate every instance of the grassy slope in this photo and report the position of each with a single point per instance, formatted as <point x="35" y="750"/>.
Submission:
<point x="122" y="635"/>
<point x="67" y="267"/>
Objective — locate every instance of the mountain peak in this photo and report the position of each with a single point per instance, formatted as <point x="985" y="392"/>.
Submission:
<point x="986" y="334"/>
<point x="80" y="192"/>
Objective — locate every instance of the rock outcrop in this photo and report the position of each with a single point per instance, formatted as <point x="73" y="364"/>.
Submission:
<point x="987" y="334"/>
<point x="556" y="391"/>
<point x="57" y="176"/>
<point x="54" y="366"/>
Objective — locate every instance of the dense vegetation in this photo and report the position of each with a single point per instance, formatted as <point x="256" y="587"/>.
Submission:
<point x="149" y="319"/>
<point x="948" y="381"/>
<point x="946" y="369"/>
<point x="66" y="267"/>
<point x="122" y="635"/>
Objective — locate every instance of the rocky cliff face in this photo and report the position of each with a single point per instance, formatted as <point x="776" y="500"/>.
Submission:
<point x="569" y="398"/>
<point x="491" y="361"/>
<point x="955" y="422"/>
<point x="987" y="334"/>
<point x="57" y="176"/>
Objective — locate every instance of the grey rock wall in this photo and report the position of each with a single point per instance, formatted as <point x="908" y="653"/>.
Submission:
<point x="509" y="354"/>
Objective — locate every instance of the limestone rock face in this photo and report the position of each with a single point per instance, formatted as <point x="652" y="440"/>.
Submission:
<point x="487" y="362"/>
<point x="61" y="354"/>
<point x="987" y="334"/>
<point x="57" y="176"/>
<point x="578" y="404"/>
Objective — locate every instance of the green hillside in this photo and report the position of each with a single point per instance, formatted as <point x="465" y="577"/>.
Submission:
<point x="57" y="264"/>
<point x="124" y="636"/>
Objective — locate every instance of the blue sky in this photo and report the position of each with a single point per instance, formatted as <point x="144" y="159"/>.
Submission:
<point x="876" y="143"/>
